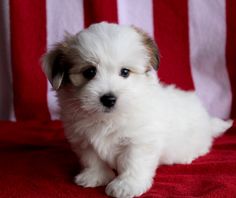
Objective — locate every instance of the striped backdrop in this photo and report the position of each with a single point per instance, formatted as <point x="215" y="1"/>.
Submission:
<point x="196" y="38"/>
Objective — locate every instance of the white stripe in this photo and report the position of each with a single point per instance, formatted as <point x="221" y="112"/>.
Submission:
<point x="207" y="26"/>
<point x="138" y="13"/>
<point x="6" y="93"/>
<point x="62" y="16"/>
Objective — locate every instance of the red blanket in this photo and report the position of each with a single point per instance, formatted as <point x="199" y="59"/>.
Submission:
<point x="36" y="162"/>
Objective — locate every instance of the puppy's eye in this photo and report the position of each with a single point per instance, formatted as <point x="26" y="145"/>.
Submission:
<point x="89" y="73"/>
<point x="124" y="72"/>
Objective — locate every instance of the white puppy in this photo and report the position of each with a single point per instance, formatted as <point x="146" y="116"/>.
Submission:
<point x="116" y="113"/>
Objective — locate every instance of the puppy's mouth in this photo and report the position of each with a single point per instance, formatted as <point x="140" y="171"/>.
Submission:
<point x="108" y="110"/>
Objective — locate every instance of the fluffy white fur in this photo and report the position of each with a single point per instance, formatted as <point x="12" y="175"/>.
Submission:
<point x="151" y="124"/>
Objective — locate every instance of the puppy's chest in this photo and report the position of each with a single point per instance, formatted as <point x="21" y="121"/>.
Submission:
<point x="110" y="147"/>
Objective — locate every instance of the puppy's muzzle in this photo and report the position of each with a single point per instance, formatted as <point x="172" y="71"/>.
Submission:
<point x="108" y="100"/>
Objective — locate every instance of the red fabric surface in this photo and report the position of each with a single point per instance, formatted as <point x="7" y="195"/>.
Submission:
<point x="231" y="49"/>
<point x="36" y="161"/>
<point x="96" y="11"/>
<point x="177" y="68"/>
<point x="28" y="43"/>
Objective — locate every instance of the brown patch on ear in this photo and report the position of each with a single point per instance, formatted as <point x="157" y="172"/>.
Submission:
<point x="77" y="79"/>
<point x="56" y="65"/>
<point x="151" y="47"/>
<point x="60" y="67"/>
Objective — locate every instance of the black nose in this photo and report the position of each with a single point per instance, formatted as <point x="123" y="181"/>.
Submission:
<point x="108" y="100"/>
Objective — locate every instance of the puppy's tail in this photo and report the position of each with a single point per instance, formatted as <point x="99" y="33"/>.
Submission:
<point x="220" y="126"/>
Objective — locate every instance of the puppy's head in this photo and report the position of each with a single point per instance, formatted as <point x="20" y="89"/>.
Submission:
<point x="103" y="67"/>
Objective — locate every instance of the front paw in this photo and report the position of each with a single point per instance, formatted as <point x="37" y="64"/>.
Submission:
<point x="126" y="188"/>
<point x="90" y="177"/>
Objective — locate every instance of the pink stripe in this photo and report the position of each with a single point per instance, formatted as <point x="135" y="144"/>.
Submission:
<point x="6" y="94"/>
<point x="207" y="23"/>
<point x="61" y="16"/>
<point x="136" y="12"/>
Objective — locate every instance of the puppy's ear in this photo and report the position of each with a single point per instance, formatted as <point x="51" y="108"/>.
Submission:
<point x="151" y="47"/>
<point x="56" y="65"/>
